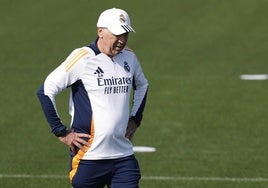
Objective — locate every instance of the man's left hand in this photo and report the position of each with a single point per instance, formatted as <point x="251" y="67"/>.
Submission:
<point x="131" y="129"/>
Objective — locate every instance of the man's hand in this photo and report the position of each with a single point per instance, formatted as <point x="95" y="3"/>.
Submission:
<point x="131" y="129"/>
<point x="73" y="140"/>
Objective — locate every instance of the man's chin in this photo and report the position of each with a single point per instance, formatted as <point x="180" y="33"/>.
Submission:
<point x="117" y="51"/>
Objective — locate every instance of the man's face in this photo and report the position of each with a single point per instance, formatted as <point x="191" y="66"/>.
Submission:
<point x="111" y="44"/>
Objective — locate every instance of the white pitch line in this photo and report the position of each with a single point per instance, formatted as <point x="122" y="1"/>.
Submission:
<point x="159" y="178"/>
<point x="227" y="179"/>
<point x="41" y="176"/>
<point x="254" y="77"/>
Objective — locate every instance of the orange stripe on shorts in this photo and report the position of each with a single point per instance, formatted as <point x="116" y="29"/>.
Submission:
<point x="80" y="154"/>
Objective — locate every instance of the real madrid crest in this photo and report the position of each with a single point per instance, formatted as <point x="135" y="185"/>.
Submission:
<point x="126" y="67"/>
<point x="122" y="18"/>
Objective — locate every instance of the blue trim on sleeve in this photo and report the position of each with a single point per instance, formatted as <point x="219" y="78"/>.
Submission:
<point x="82" y="108"/>
<point x="139" y="114"/>
<point x="50" y="113"/>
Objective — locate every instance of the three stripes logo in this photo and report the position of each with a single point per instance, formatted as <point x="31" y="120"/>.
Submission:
<point x="74" y="59"/>
<point x="99" y="71"/>
<point x="127" y="28"/>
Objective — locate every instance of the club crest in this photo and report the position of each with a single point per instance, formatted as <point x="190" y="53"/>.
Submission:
<point x="126" y="67"/>
<point x="122" y="18"/>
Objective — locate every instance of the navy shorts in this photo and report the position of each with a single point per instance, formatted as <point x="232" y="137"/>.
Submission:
<point x="115" y="173"/>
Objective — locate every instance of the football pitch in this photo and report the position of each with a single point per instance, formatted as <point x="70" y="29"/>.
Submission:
<point x="209" y="126"/>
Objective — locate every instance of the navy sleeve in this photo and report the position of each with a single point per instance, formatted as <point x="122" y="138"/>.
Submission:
<point x="139" y="114"/>
<point x="50" y="113"/>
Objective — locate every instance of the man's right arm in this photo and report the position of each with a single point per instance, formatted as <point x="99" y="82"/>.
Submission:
<point x="59" y="79"/>
<point x="46" y="94"/>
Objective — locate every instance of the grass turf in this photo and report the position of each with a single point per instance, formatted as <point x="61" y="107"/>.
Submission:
<point x="203" y="120"/>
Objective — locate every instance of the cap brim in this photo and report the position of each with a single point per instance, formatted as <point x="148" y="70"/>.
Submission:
<point x="119" y="30"/>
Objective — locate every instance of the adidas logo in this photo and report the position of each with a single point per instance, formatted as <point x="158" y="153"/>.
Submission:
<point x="99" y="71"/>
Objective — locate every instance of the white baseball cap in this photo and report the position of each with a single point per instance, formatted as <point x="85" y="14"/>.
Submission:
<point x="115" y="20"/>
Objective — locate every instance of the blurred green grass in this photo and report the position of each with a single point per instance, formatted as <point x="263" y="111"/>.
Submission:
<point x="203" y="120"/>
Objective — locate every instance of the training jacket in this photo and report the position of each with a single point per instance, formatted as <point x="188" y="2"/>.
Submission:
<point x="99" y="101"/>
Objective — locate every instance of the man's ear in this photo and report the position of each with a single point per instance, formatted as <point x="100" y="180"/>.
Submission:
<point x="100" y="32"/>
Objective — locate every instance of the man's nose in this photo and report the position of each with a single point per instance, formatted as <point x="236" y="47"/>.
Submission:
<point x="122" y="38"/>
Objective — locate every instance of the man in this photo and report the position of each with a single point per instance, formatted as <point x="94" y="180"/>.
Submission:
<point x="101" y="77"/>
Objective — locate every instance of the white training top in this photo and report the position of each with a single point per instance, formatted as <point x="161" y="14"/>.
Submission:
<point x="99" y="101"/>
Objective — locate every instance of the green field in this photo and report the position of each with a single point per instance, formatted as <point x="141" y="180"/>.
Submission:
<point x="209" y="127"/>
